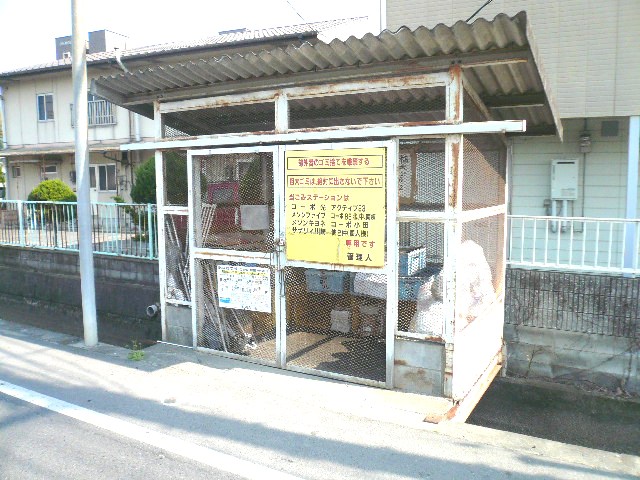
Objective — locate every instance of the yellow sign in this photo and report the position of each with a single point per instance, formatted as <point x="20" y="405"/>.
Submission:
<point x="335" y="206"/>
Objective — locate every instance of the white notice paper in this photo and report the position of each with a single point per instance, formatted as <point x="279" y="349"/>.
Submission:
<point x="244" y="288"/>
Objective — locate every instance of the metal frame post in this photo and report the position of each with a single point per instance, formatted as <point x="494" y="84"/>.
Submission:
<point x="149" y="231"/>
<point x="21" y="232"/>
<point x="393" y="149"/>
<point x="80" y="114"/>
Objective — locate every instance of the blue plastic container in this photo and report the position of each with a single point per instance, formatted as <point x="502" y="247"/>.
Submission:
<point x="326" y="281"/>
<point x="411" y="260"/>
<point x="408" y="286"/>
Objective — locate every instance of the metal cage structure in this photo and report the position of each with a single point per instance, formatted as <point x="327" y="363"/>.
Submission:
<point x="413" y="321"/>
<point x="341" y="216"/>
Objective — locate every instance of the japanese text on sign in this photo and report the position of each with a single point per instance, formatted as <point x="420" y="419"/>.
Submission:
<point x="244" y="288"/>
<point x="335" y="206"/>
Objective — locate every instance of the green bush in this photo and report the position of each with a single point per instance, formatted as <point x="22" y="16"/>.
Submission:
<point x="52" y="191"/>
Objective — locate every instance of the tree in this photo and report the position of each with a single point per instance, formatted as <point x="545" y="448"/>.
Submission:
<point x="52" y="191"/>
<point x="144" y="186"/>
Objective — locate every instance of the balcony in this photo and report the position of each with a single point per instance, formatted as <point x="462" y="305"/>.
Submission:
<point x="100" y="112"/>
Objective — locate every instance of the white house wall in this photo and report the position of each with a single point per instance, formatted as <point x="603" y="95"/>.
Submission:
<point x="588" y="49"/>
<point x="601" y="187"/>
<point x="24" y="129"/>
<point x="603" y="191"/>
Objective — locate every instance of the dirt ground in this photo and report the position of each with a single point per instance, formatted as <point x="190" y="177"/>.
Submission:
<point x="112" y="330"/>
<point x="562" y="413"/>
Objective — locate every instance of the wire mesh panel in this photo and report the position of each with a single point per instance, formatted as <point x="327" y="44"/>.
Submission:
<point x="235" y="308"/>
<point x="484" y="172"/>
<point x="178" y="280"/>
<point x="574" y="302"/>
<point x="480" y="268"/>
<point x="233" y="201"/>
<point x="421" y="175"/>
<point x="336" y="322"/>
<point x="176" y="188"/>
<point x="394" y="106"/>
<point x="420" y="286"/>
<point x="255" y="117"/>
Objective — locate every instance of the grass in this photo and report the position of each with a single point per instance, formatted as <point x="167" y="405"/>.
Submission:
<point x="136" y="354"/>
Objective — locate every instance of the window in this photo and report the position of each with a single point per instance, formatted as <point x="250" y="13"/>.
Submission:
<point x="45" y="107"/>
<point x="15" y="172"/>
<point x="49" y="172"/>
<point x="105" y="180"/>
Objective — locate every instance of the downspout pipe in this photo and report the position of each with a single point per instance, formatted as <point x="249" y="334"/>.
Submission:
<point x="631" y="210"/>
<point x="3" y="120"/>
<point x="3" y="145"/>
<point x="119" y="60"/>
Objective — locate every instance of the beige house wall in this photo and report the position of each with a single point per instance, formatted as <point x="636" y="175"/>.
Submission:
<point x="24" y="131"/>
<point x="31" y="174"/>
<point x="589" y="49"/>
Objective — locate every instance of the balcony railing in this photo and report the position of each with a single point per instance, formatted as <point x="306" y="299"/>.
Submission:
<point x="125" y="229"/>
<point x="100" y="112"/>
<point x="575" y="243"/>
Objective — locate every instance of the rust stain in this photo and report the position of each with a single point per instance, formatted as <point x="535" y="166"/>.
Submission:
<point x="456" y="76"/>
<point x="453" y="198"/>
<point x="452" y="411"/>
<point x="401" y="363"/>
<point x="434" y="339"/>
<point x="420" y="124"/>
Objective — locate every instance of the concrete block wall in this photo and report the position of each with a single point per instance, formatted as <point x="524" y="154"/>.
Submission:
<point x="179" y="325"/>
<point x="124" y="286"/>
<point x="419" y="366"/>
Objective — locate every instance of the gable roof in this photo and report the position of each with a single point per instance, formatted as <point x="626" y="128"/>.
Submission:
<point x="306" y="31"/>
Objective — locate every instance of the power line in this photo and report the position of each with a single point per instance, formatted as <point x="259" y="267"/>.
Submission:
<point x="296" y="11"/>
<point x="474" y="13"/>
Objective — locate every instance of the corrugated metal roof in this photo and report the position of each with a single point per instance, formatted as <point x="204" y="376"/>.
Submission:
<point x="231" y="38"/>
<point x="498" y="57"/>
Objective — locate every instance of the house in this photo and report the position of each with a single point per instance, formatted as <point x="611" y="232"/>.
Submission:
<point x="39" y="131"/>
<point x="572" y="289"/>
<point x="36" y="108"/>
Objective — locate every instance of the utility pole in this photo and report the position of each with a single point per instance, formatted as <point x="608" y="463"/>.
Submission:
<point x="81" y="120"/>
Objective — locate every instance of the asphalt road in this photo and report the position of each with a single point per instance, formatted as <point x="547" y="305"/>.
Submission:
<point x="36" y="443"/>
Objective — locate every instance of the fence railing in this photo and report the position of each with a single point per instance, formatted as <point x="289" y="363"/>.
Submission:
<point x="100" y="112"/>
<point x="125" y="229"/>
<point x="575" y="243"/>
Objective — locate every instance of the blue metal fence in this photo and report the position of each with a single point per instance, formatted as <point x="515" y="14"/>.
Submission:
<point x="125" y="229"/>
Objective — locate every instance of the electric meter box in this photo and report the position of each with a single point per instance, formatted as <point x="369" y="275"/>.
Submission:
<point x="564" y="179"/>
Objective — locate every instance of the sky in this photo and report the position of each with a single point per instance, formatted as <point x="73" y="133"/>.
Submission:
<point x="28" y="28"/>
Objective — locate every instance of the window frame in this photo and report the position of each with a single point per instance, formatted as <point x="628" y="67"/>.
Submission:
<point x="14" y="169"/>
<point x="95" y="177"/>
<point x="45" y="115"/>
